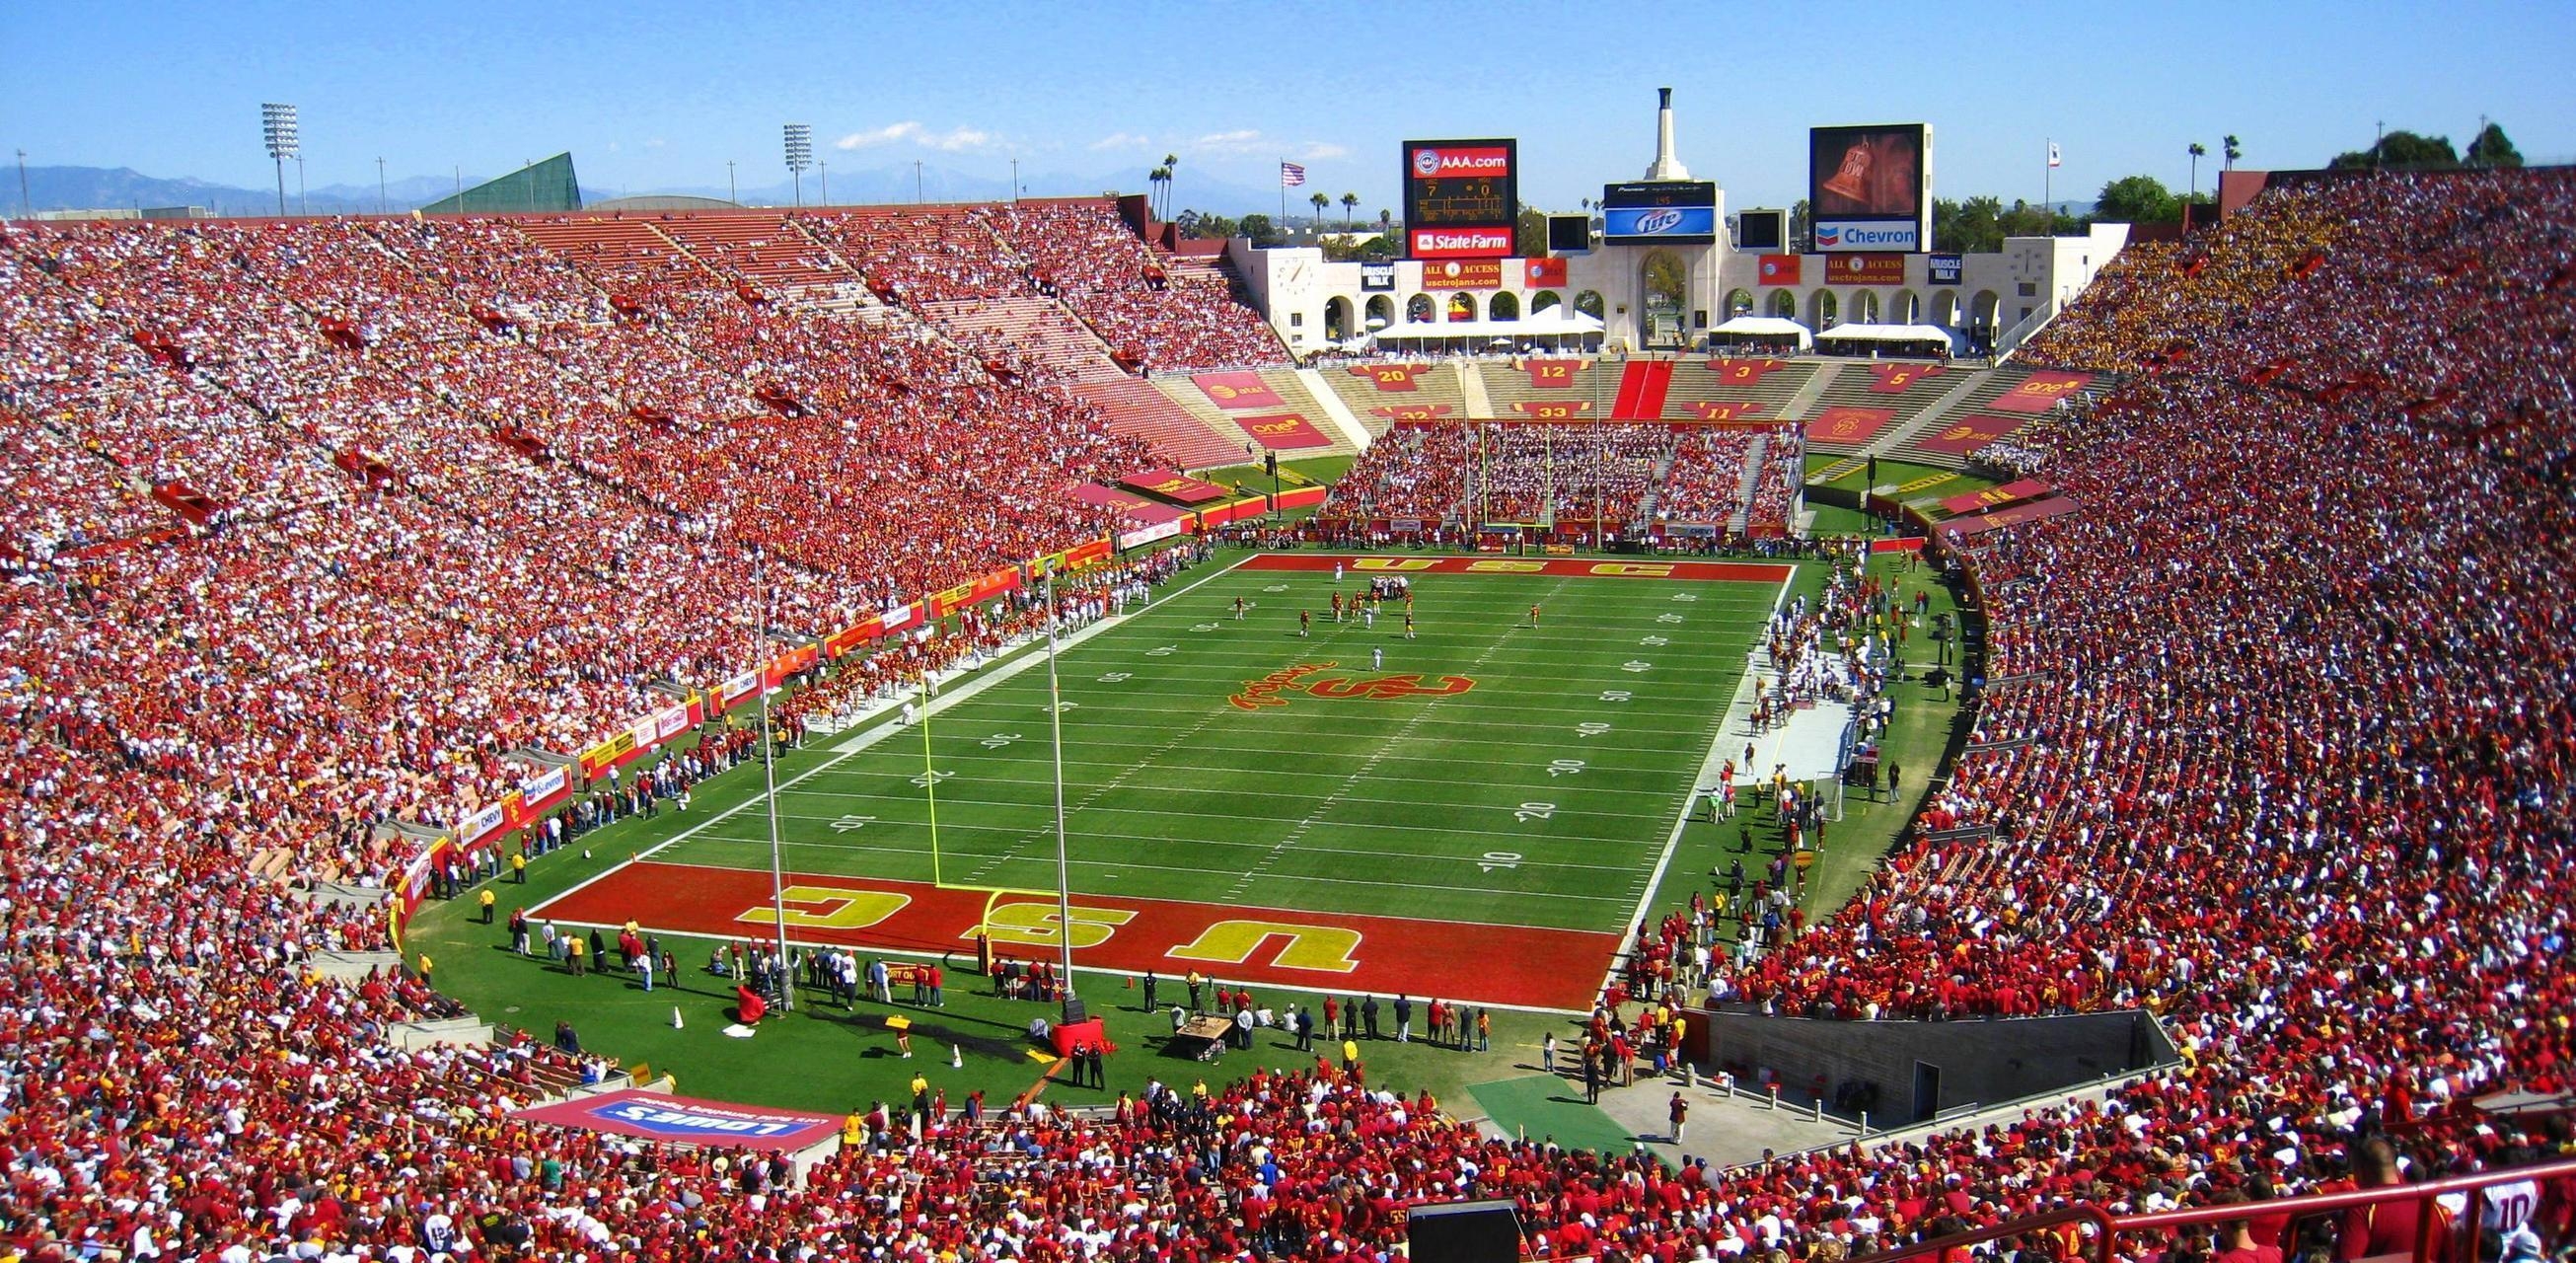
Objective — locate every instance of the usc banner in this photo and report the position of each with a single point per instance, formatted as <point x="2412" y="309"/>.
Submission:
<point x="1463" y="274"/>
<point x="1848" y="425"/>
<point x="1394" y="379"/>
<point x="1238" y="390"/>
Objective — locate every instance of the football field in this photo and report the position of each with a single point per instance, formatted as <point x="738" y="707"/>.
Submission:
<point x="1476" y="811"/>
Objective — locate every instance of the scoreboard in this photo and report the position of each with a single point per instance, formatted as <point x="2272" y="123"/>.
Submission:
<point x="1461" y="198"/>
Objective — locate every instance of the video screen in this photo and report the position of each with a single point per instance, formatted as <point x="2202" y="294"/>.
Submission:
<point x="1865" y="172"/>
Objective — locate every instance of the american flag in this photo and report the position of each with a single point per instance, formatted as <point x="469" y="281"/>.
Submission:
<point x="2052" y="153"/>
<point x="1291" y="175"/>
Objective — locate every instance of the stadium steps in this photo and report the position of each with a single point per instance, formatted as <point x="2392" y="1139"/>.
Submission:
<point x="1040" y="328"/>
<point x="765" y="250"/>
<point x="442" y="1030"/>
<point x="1803" y="402"/>
<point x="1160" y="413"/>
<point x="353" y="967"/>
<point x="1220" y="270"/>
<point x="1508" y="386"/>
<point x="1755" y="457"/>
<point x="1335" y="409"/>
<point x="1901" y="440"/>
<point x="1471" y="388"/>
<point x="1643" y="384"/>
<point x="1694" y="383"/>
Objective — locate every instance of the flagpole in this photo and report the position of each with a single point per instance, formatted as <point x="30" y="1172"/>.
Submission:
<point x="1283" y="195"/>
<point x="2047" y="184"/>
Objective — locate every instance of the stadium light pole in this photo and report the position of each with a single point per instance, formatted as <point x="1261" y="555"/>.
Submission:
<point x="1063" y="867"/>
<point x="800" y="155"/>
<point x="383" y="206"/>
<point x="26" y="203"/>
<point x="277" y="130"/>
<point x="733" y="194"/>
<point x="825" y="169"/>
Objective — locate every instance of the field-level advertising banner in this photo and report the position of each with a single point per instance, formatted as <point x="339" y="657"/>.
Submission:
<point x="1965" y="436"/>
<point x="1284" y="433"/>
<point x="1238" y="390"/>
<point x="686" y="1120"/>
<point x="1848" y="425"/>
<point x="2040" y="392"/>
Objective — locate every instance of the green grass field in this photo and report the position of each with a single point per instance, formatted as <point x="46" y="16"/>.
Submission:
<point x="1361" y="806"/>
<point x="1354" y="805"/>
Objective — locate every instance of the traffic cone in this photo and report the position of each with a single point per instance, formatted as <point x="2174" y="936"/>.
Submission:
<point x="956" y="1057"/>
<point x="676" y="1023"/>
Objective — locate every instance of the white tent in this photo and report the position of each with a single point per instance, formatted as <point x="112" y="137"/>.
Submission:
<point x="1556" y="323"/>
<point x="1764" y="327"/>
<point x="1891" y="333"/>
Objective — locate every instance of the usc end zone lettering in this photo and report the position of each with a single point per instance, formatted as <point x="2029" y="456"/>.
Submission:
<point x="1036" y="925"/>
<point x="837" y="909"/>
<point x="1641" y="569"/>
<point x="1394" y="563"/>
<point x="1322" y="948"/>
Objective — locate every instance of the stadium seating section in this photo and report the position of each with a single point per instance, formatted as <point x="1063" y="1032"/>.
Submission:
<point x="2296" y="685"/>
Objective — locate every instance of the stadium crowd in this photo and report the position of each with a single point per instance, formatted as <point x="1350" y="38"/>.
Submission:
<point x="2295" y="686"/>
<point x="1152" y="314"/>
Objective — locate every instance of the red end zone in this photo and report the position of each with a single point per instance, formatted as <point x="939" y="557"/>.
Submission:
<point x="1483" y="964"/>
<point x="1553" y="567"/>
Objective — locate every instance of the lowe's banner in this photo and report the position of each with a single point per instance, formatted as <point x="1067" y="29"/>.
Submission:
<point x="1669" y="223"/>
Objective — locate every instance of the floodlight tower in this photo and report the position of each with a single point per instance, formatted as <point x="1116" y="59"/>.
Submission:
<point x="277" y="128"/>
<point x="800" y="155"/>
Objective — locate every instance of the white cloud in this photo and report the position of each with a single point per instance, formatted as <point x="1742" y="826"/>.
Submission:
<point x="1243" y="141"/>
<point x="885" y="135"/>
<point x="1319" y="151"/>
<point x="954" y="140"/>
<point x="1121" y="140"/>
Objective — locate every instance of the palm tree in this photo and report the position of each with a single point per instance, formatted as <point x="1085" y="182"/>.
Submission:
<point x="2198" y="151"/>
<point x="1159" y="177"/>
<point x="1171" y="166"/>
<point x="1320" y="200"/>
<point x="2231" y="151"/>
<point x="1385" y="219"/>
<point x="1350" y="203"/>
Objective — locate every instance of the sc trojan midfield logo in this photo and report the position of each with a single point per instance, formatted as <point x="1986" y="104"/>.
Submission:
<point x="1275" y="688"/>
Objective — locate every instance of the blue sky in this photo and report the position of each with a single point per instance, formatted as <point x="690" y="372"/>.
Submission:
<point x="651" y="94"/>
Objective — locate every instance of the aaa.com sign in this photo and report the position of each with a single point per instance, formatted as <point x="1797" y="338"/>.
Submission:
<point x="1433" y="161"/>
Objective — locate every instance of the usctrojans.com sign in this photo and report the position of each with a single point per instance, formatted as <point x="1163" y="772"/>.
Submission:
<point x="1845" y="234"/>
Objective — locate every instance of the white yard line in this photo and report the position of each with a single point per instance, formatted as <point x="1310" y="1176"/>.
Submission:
<point x="1717" y="742"/>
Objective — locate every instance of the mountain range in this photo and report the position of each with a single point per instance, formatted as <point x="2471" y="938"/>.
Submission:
<point x="122" y="188"/>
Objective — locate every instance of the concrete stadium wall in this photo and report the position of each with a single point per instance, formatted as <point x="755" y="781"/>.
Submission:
<point x="1980" y="1062"/>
